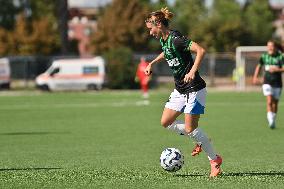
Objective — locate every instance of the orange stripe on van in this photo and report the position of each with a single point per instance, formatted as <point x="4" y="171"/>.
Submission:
<point x="4" y="77"/>
<point x="76" y="76"/>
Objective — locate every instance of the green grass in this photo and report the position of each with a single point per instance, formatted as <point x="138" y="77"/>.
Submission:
<point x="105" y="140"/>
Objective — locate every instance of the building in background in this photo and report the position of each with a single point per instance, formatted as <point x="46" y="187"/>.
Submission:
<point x="279" y="22"/>
<point x="82" y="22"/>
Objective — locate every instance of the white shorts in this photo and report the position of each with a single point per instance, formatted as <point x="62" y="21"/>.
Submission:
<point x="193" y="103"/>
<point x="273" y="91"/>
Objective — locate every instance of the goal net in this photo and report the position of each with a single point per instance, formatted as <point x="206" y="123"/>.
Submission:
<point x="247" y="57"/>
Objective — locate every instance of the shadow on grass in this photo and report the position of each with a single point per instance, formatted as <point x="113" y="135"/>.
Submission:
<point x="253" y="174"/>
<point x="188" y="175"/>
<point x="33" y="133"/>
<point x="30" y="169"/>
<point x="246" y="174"/>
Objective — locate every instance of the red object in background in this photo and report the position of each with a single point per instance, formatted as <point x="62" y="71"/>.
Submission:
<point x="142" y="77"/>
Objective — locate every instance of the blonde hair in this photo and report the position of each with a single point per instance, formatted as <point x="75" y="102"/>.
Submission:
<point x="163" y="16"/>
<point x="167" y="14"/>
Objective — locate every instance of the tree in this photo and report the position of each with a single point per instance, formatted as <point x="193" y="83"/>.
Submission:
<point x="223" y="29"/>
<point x="122" y="24"/>
<point x="33" y="33"/>
<point x="6" y="42"/>
<point x="227" y="24"/>
<point x="188" y="14"/>
<point x="63" y="25"/>
<point x="259" y="18"/>
<point x="120" y="68"/>
<point x="7" y="14"/>
<point x="44" y="8"/>
<point x="27" y="39"/>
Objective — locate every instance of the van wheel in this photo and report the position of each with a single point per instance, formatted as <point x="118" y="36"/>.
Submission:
<point x="44" y="88"/>
<point x="99" y="87"/>
<point x="92" y="87"/>
<point x="5" y="86"/>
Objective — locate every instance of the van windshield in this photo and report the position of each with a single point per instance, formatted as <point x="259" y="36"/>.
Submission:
<point x="51" y="69"/>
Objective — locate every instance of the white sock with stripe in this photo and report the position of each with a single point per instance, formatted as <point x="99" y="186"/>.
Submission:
<point x="273" y="117"/>
<point x="200" y="137"/>
<point x="197" y="135"/>
<point x="177" y="126"/>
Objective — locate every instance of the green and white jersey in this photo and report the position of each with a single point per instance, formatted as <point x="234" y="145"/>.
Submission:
<point x="268" y="61"/>
<point x="177" y="53"/>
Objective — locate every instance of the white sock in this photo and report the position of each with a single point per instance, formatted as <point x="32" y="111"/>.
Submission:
<point x="270" y="118"/>
<point x="197" y="135"/>
<point x="200" y="137"/>
<point x="177" y="126"/>
<point x="273" y="117"/>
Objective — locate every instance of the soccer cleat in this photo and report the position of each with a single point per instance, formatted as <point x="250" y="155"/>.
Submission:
<point x="215" y="166"/>
<point x="272" y="126"/>
<point x="197" y="149"/>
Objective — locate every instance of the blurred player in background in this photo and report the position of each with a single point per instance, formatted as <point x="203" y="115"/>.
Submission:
<point x="142" y="78"/>
<point x="189" y="94"/>
<point x="272" y="61"/>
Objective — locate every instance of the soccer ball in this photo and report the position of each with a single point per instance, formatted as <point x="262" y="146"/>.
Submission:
<point x="171" y="159"/>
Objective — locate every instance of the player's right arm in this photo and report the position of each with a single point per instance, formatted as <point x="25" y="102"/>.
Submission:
<point x="148" y="70"/>
<point x="255" y="79"/>
<point x="255" y="75"/>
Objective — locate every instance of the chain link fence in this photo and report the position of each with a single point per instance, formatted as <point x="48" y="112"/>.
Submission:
<point x="217" y="69"/>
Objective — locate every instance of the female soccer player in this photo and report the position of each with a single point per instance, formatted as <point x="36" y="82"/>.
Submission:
<point x="272" y="61"/>
<point x="189" y="94"/>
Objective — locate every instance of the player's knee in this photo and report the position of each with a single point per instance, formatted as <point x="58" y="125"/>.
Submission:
<point x="190" y="128"/>
<point x="269" y="103"/>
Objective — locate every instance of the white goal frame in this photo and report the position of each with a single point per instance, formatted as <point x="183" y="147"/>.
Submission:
<point x="240" y="63"/>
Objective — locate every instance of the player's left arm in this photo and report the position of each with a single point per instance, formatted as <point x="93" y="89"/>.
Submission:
<point x="200" y="52"/>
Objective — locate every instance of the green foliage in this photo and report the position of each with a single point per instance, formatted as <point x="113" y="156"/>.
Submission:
<point x="226" y="10"/>
<point x="7" y="14"/>
<point x="122" y="24"/>
<point x="157" y="5"/>
<point x="188" y="15"/>
<point x="28" y="38"/>
<point x="120" y="68"/>
<point x="44" y="8"/>
<point x="259" y="20"/>
<point x="6" y="42"/>
<point x="224" y="29"/>
<point x="221" y="35"/>
<point x="226" y="24"/>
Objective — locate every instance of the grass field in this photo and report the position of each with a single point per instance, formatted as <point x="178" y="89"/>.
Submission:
<point x="109" y="140"/>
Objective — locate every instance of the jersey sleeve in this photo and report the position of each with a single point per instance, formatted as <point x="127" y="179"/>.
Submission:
<point x="261" y="62"/>
<point x="181" y="43"/>
<point x="282" y="60"/>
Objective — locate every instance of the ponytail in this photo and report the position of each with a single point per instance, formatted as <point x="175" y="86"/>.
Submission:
<point x="161" y="16"/>
<point x="167" y="14"/>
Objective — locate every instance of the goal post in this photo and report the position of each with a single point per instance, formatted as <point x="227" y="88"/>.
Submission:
<point x="241" y="63"/>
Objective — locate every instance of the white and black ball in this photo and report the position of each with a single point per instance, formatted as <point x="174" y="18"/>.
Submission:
<point x="171" y="159"/>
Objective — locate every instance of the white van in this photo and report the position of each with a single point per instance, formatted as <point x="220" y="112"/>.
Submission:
<point x="5" y="73"/>
<point x="73" y="74"/>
